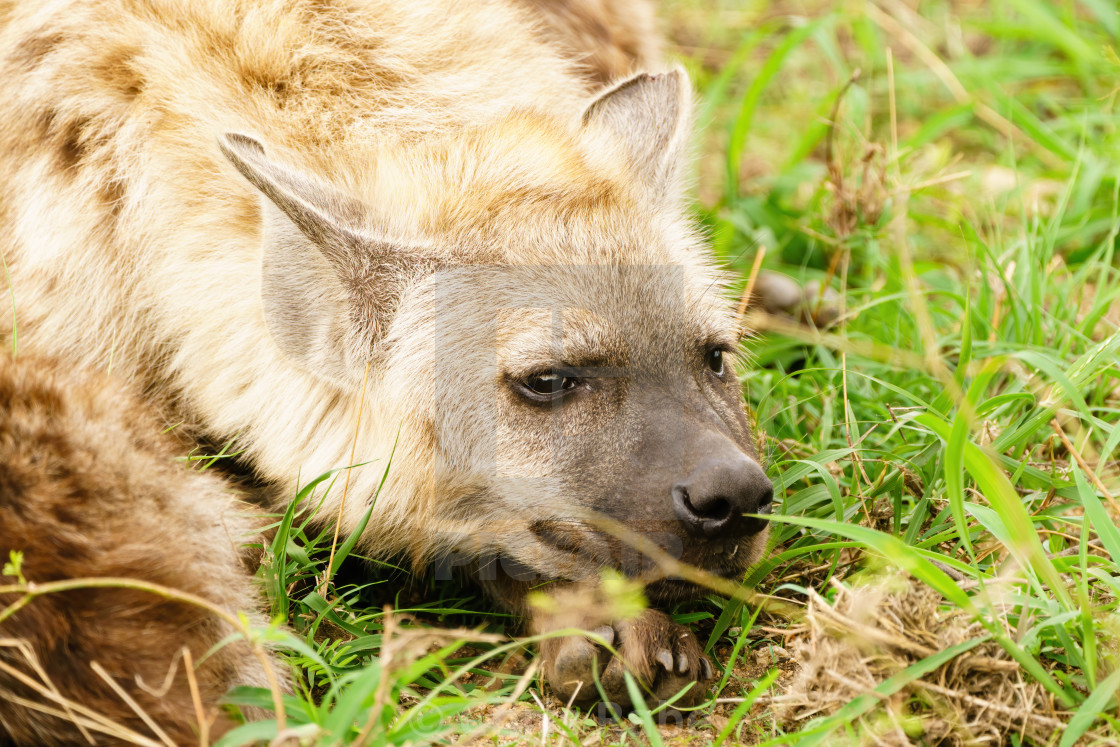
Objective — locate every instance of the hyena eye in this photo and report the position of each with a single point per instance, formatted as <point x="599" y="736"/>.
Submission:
<point x="549" y="385"/>
<point x="715" y="361"/>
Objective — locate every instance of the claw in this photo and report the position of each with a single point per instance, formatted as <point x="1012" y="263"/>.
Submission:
<point x="606" y="632"/>
<point x="682" y="664"/>
<point x="665" y="659"/>
<point x="706" y="672"/>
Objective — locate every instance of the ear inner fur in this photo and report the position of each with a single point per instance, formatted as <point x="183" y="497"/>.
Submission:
<point x="326" y="288"/>
<point x="305" y="304"/>
<point x="649" y="117"/>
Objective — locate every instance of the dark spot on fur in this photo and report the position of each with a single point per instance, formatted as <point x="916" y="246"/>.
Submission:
<point x="30" y="52"/>
<point x="112" y="196"/>
<point x="116" y="67"/>
<point x="45" y="123"/>
<point x="72" y="144"/>
<point x="72" y="139"/>
<point x="278" y="84"/>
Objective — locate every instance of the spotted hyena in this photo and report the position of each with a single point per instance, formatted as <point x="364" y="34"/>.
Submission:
<point x="259" y="211"/>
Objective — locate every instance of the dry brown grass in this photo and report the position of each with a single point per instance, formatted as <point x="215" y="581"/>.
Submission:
<point x="871" y="633"/>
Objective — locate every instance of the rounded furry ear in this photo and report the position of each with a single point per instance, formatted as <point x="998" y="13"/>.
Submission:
<point x="328" y="288"/>
<point x="650" y="117"/>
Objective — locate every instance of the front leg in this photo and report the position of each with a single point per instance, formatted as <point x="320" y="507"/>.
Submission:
<point x="662" y="656"/>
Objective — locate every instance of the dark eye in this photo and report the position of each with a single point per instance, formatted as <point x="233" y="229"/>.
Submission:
<point x="549" y="385"/>
<point x="715" y="361"/>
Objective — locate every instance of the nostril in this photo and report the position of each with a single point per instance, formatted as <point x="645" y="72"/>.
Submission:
<point x="724" y="497"/>
<point x="702" y="515"/>
<point x="766" y="501"/>
<point x="717" y="510"/>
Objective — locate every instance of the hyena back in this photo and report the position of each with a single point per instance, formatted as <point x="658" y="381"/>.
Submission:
<point x="89" y="490"/>
<point x="258" y="211"/>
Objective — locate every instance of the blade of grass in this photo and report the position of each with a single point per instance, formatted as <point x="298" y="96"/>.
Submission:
<point x="1090" y="710"/>
<point x="766" y="73"/>
<point x="995" y="486"/>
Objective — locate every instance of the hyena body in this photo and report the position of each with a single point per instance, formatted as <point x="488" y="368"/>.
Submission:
<point x="272" y="214"/>
<point x="89" y="489"/>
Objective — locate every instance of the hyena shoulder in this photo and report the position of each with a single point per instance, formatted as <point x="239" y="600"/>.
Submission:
<point x="608" y="39"/>
<point x="89" y="488"/>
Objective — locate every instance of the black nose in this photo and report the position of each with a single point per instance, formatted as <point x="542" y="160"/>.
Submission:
<point x="711" y="501"/>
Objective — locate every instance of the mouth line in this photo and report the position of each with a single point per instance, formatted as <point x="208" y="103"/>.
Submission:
<point x="730" y="571"/>
<point x="578" y="541"/>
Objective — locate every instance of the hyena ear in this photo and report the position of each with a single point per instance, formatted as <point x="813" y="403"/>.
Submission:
<point x="327" y="286"/>
<point x="650" y="116"/>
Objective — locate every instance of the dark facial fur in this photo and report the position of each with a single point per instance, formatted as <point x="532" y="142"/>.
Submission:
<point x="630" y="419"/>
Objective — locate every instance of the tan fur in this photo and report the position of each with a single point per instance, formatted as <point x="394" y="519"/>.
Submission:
<point x="88" y="488"/>
<point x="240" y="204"/>
<point x="130" y="239"/>
<point x="609" y="39"/>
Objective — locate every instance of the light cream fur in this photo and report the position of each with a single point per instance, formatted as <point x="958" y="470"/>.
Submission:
<point x="467" y="139"/>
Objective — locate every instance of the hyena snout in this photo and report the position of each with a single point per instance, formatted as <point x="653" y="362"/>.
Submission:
<point x="712" y="500"/>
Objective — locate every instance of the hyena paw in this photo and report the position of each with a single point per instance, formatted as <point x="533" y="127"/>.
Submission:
<point x="662" y="656"/>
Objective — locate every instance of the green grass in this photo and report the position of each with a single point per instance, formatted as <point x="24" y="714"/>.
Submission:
<point x="968" y="217"/>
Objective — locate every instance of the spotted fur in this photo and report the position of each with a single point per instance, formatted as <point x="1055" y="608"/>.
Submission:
<point x="245" y="205"/>
<point x="89" y="488"/>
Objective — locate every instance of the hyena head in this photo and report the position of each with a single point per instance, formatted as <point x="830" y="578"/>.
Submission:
<point x="546" y="338"/>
